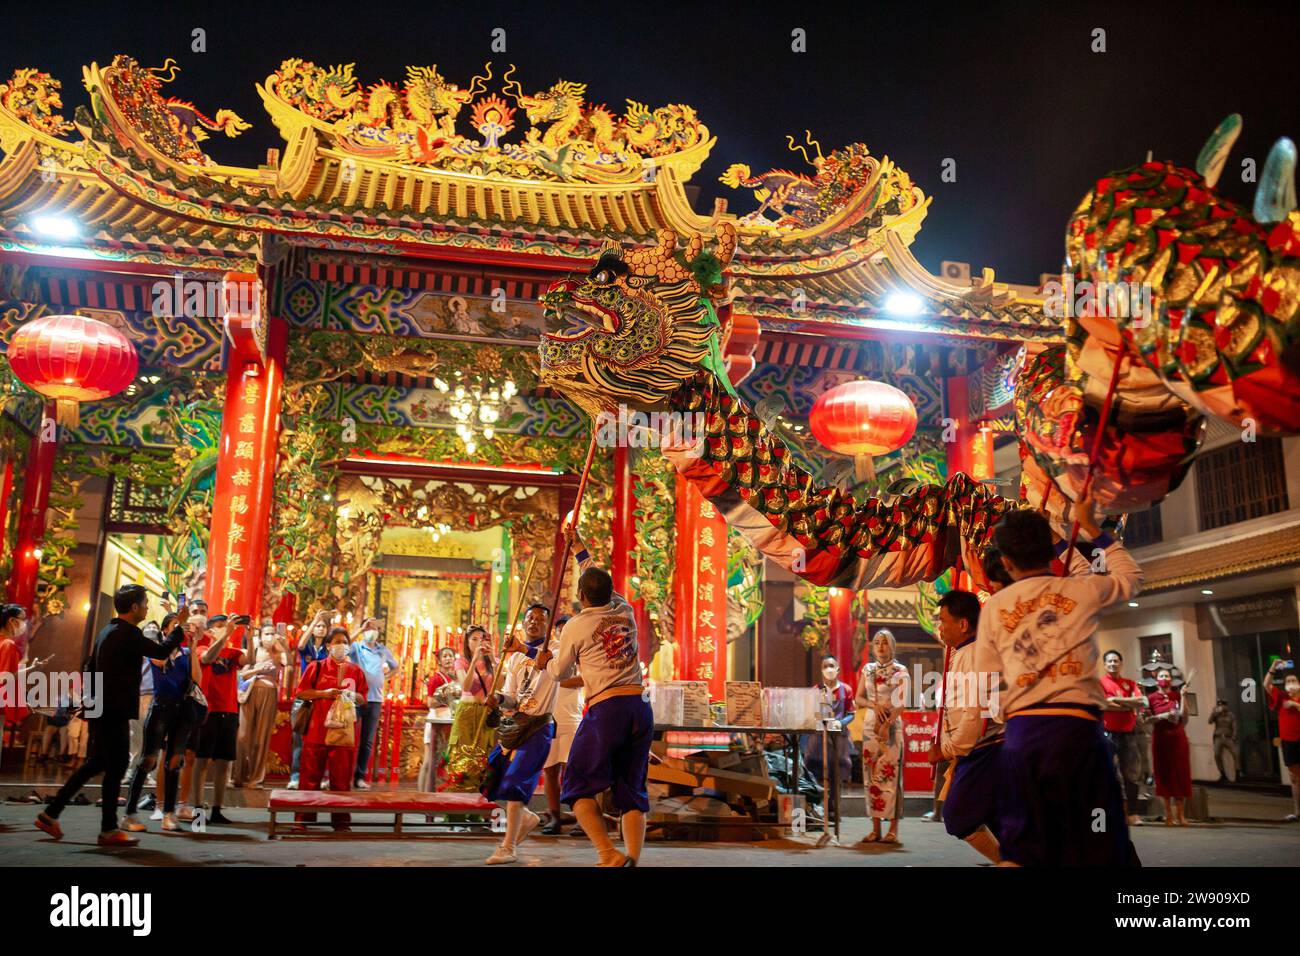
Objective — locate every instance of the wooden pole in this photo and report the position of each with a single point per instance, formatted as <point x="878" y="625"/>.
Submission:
<point x="1092" y="457"/>
<point x="568" y="539"/>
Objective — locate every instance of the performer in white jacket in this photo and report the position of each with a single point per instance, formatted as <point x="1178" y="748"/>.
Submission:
<point x="611" y="749"/>
<point x="969" y="738"/>
<point x="1061" y="802"/>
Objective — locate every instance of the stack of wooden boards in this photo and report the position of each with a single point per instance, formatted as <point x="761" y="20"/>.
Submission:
<point x="712" y="789"/>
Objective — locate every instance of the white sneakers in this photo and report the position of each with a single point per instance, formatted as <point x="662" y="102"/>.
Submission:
<point x="292" y="785"/>
<point x="157" y="813"/>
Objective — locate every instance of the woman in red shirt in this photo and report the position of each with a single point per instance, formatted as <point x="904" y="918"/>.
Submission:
<point x="324" y="682"/>
<point x="1287" y="706"/>
<point x="1171" y="763"/>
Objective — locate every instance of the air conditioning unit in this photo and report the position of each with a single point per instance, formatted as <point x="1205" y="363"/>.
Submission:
<point x="958" y="272"/>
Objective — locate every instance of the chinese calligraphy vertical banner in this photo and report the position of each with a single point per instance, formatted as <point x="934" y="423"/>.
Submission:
<point x="701" y="590"/>
<point x="246" y="460"/>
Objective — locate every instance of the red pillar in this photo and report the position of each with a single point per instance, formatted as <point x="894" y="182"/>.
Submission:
<point x="958" y="431"/>
<point x="959" y="434"/>
<point x="6" y="489"/>
<point x="701" y="590"/>
<point x="31" y="512"/>
<point x="246" y="457"/>
<point x="624" y="521"/>
<point x="840" y="628"/>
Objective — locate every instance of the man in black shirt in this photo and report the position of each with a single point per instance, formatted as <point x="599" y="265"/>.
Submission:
<point x="117" y="659"/>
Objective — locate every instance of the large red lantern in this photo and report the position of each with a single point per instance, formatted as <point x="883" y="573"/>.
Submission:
<point x="863" y="419"/>
<point x="71" y="359"/>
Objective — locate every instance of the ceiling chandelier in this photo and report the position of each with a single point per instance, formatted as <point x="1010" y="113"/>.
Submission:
<point x="476" y="403"/>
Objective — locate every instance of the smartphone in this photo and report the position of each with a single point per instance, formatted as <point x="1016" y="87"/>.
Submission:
<point x="1286" y="665"/>
<point x="181" y="600"/>
<point x="282" y="628"/>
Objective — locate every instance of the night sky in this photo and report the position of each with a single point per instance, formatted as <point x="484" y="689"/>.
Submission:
<point x="1014" y="94"/>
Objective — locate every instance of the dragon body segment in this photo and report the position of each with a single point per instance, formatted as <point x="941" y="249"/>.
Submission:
<point x="638" y="332"/>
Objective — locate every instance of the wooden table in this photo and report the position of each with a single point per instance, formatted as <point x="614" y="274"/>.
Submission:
<point x="792" y="736"/>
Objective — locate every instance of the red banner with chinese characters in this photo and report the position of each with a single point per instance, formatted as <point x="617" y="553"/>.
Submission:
<point x="246" y="460"/>
<point x="701" y="588"/>
<point x="918" y="735"/>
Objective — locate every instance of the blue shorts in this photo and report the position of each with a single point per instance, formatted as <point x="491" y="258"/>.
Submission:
<point x="611" y="751"/>
<point x="972" y="800"/>
<point x="1061" y="803"/>
<point x="512" y="774"/>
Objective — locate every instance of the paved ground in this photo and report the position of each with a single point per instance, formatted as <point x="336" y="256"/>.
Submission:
<point x="925" y="844"/>
<point x="1246" y="832"/>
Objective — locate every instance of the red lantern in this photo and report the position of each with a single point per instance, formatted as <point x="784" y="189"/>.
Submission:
<point x="71" y="359"/>
<point x="863" y="419"/>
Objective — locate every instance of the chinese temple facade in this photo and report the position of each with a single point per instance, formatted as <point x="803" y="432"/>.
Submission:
<point x="337" y="402"/>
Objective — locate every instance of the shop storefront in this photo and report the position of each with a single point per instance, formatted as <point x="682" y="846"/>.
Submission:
<point x="1248" y="634"/>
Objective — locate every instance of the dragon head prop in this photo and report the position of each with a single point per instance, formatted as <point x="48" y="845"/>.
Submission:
<point x="638" y="325"/>
<point x="1191" y="303"/>
<point x="1219" y="283"/>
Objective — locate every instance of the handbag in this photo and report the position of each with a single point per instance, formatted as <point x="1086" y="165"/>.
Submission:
<point x="302" y="718"/>
<point x="341" y="723"/>
<point x="514" y="731"/>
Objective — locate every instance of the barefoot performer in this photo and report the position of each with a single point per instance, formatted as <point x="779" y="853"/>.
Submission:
<point x="968" y="735"/>
<point x="1060" y="802"/>
<point x="611" y="750"/>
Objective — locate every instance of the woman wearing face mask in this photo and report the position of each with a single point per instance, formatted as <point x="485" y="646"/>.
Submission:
<point x="311" y="648"/>
<point x="1170" y="757"/>
<point x="13" y="628"/>
<point x="257" y="712"/>
<point x="883" y="688"/>
<point x="837" y="701"/>
<point x="323" y="683"/>
<point x="1287" y="704"/>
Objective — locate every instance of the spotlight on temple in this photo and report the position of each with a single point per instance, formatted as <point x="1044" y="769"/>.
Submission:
<point x="56" y="227"/>
<point x="904" y="303"/>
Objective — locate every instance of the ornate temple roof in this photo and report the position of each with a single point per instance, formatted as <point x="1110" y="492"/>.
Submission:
<point x="429" y="168"/>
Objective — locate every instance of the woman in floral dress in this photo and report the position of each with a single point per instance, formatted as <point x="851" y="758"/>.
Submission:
<point x="883" y="690"/>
